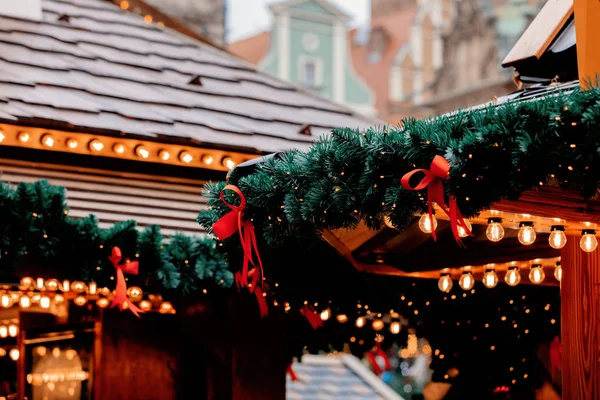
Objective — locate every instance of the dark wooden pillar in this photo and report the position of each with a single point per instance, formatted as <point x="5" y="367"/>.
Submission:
<point x="580" y="315"/>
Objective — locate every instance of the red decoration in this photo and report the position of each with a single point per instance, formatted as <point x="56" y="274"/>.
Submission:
<point x="129" y="267"/>
<point x="313" y="319"/>
<point x="372" y="357"/>
<point x="439" y="169"/>
<point x="555" y="357"/>
<point x="291" y="373"/>
<point x="225" y="227"/>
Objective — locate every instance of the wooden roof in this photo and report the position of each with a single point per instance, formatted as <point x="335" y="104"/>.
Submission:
<point x="91" y="66"/>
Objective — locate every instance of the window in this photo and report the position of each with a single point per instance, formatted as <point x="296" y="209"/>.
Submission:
<point x="310" y="73"/>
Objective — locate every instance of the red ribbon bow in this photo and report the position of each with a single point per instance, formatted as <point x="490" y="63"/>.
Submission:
<point x="438" y="171"/>
<point x="225" y="227"/>
<point x="121" y="290"/>
<point x="290" y="371"/>
<point x="372" y="357"/>
<point x="312" y="317"/>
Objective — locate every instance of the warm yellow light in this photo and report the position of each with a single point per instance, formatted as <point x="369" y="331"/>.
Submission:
<point x="80" y="300"/>
<point x="52" y="285"/>
<point x="23" y="137"/>
<point x="325" y="314"/>
<point x="207" y="159"/>
<point x="490" y="278"/>
<point x="26" y="282"/>
<point x="395" y="327"/>
<point x="145" y="305"/>
<point x="427" y="225"/>
<point x="59" y="298"/>
<point x="445" y="283"/>
<point x="588" y="242"/>
<point x="142" y="151"/>
<point x="72" y="143"/>
<point x="462" y="231"/>
<point x="558" y="272"/>
<point x="135" y="293"/>
<point x="96" y="145"/>
<point x="466" y="280"/>
<point x="6" y="300"/>
<point x="3" y="331"/>
<point x="228" y="162"/>
<point x="166" y="308"/>
<point x="102" y="302"/>
<point x="93" y="288"/>
<point x="377" y="325"/>
<point x="164" y="155"/>
<point x="512" y="277"/>
<point x="124" y="5"/>
<point x="148" y="18"/>
<point x="25" y="302"/>
<point x="78" y="287"/>
<point x="70" y="354"/>
<point x="41" y="351"/>
<point x="2" y="136"/>
<point x="39" y="284"/>
<point x="537" y="275"/>
<point x="494" y="231"/>
<point x="14" y="354"/>
<point x="557" y="238"/>
<point x="526" y="233"/>
<point x="360" y="322"/>
<point x="119" y="148"/>
<point x="45" y="302"/>
<point x="13" y="330"/>
<point x="66" y="286"/>
<point x="185" y="157"/>
<point x="342" y="318"/>
<point x="56" y="352"/>
<point x="48" y="140"/>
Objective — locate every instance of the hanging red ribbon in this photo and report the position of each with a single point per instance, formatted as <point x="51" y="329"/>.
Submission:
<point x="438" y="171"/>
<point x="225" y="227"/>
<point x="121" y="290"/>
<point x="372" y="357"/>
<point x="313" y="318"/>
<point x="291" y="373"/>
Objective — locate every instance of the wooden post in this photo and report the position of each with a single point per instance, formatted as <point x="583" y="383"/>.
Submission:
<point x="580" y="317"/>
<point x="587" y="30"/>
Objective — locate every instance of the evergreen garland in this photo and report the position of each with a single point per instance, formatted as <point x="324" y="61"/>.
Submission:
<point x="495" y="152"/>
<point x="36" y="234"/>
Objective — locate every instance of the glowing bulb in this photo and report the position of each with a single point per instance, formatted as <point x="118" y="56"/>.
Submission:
<point x="6" y="300"/>
<point x="93" y="288"/>
<point x="39" y="284"/>
<point x="102" y="302"/>
<point x="48" y="140"/>
<point x="23" y="137"/>
<point x="537" y="275"/>
<point x="119" y="148"/>
<point x="207" y="159"/>
<point x="135" y="293"/>
<point x="558" y="272"/>
<point x="377" y="325"/>
<point x="185" y="157"/>
<point x="72" y="143"/>
<point x="466" y="280"/>
<point x="78" y="287"/>
<point x="325" y="314"/>
<point x="557" y="239"/>
<point x="395" y="327"/>
<point x="360" y="322"/>
<point x="26" y="282"/>
<point x="145" y="305"/>
<point x="342" y="318"/>
<point x="494" y="231"/>
<point x="490" y="278"/>
<point x="445" y="283"/>
<point x="526" y="233"/>
<point x="512" y="277"/>
<point x="66" y="286"/>
<point x="14" y="354"/>
<point x="2" y="137"/>
<point x="425" y="224"/>
<point x="59" y="298"/>
<point x="45" y="302"/>
<point x="166" y="308"/>
<point x="25" y="302"/>
<point x="13" y="330"/>
<point x="3" y="331"/>
<point x="142" y="151"/>
<point x="96" y="145"/>
<point x="52" y="285"/>
<point x="41" y="351"/>
<point x="80" y="300"/>
<point x="462" y="232"/>
<point x="588" y="242"/>
<point x="164" y="155"/>
<point x="228" y="162"/>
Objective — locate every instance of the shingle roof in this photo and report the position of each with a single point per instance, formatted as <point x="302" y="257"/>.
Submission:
<point x="106" y="70"/>
<point x="341" y="377"/>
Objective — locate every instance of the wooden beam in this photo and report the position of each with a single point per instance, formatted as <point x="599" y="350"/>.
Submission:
<point x="587" y="30"/>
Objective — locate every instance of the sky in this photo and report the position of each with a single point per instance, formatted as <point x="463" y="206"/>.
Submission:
<point x="248" y="17"/>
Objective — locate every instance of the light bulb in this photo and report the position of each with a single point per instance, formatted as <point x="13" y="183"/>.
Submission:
<point x="142" y="151"/>
<point x="558" y="272"/>
<point x="45" y="302"/>
<point x="426" y="225"/>
<point x="557" y="239"/>
<point x="119" y="148"/>
<point x="80" y="300"/>
<point x="207" y="159"/>
<point x="185" y="157"/>
<point x="25" y="302"/>
<point x="537" y="275"/>
<point x="466" y="280"/>
<point x="72" y="143"/>
<point x="48" y="140"/>
<point x="52" y="285"/>
<point x="59" y="298"/>
<point x="96" y="145"/>
<point x="462" y="232"/>
<point x="490" y="278"/>
<point x="395" y="327"/>
<point x="78" y="287"/>
<point x="23" y="137"/>
<point x="445" y="283"/>
<point x="6" y="300"/>
<point x="377" y="325"/>
<point x="166" y="308"/>
<point x="93" y="288"/>
<point x="145" y="305"/>
<point x="164" y="155"/>
<point x="26" y="282"/>
<point x="135" y="293"/>
<point x="342" y="318"/>
<point x="3" y="331"/>
<point x="494" y="231"/>
<point x="39" y="284"/>
<point x="588" y="242"/>
<point x="513" y="276"/>
<point x="14" y="354"/>
<point x="360" y="322"/>
<point x="325" y="314"/>
<point x="13" y="330"/>
<point x="526" y="233"/>
<point x="228" y="162"/>
<point x="102" y="302"/>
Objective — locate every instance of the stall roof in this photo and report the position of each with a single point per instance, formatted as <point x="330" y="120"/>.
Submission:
<point x="93" y="67"/>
